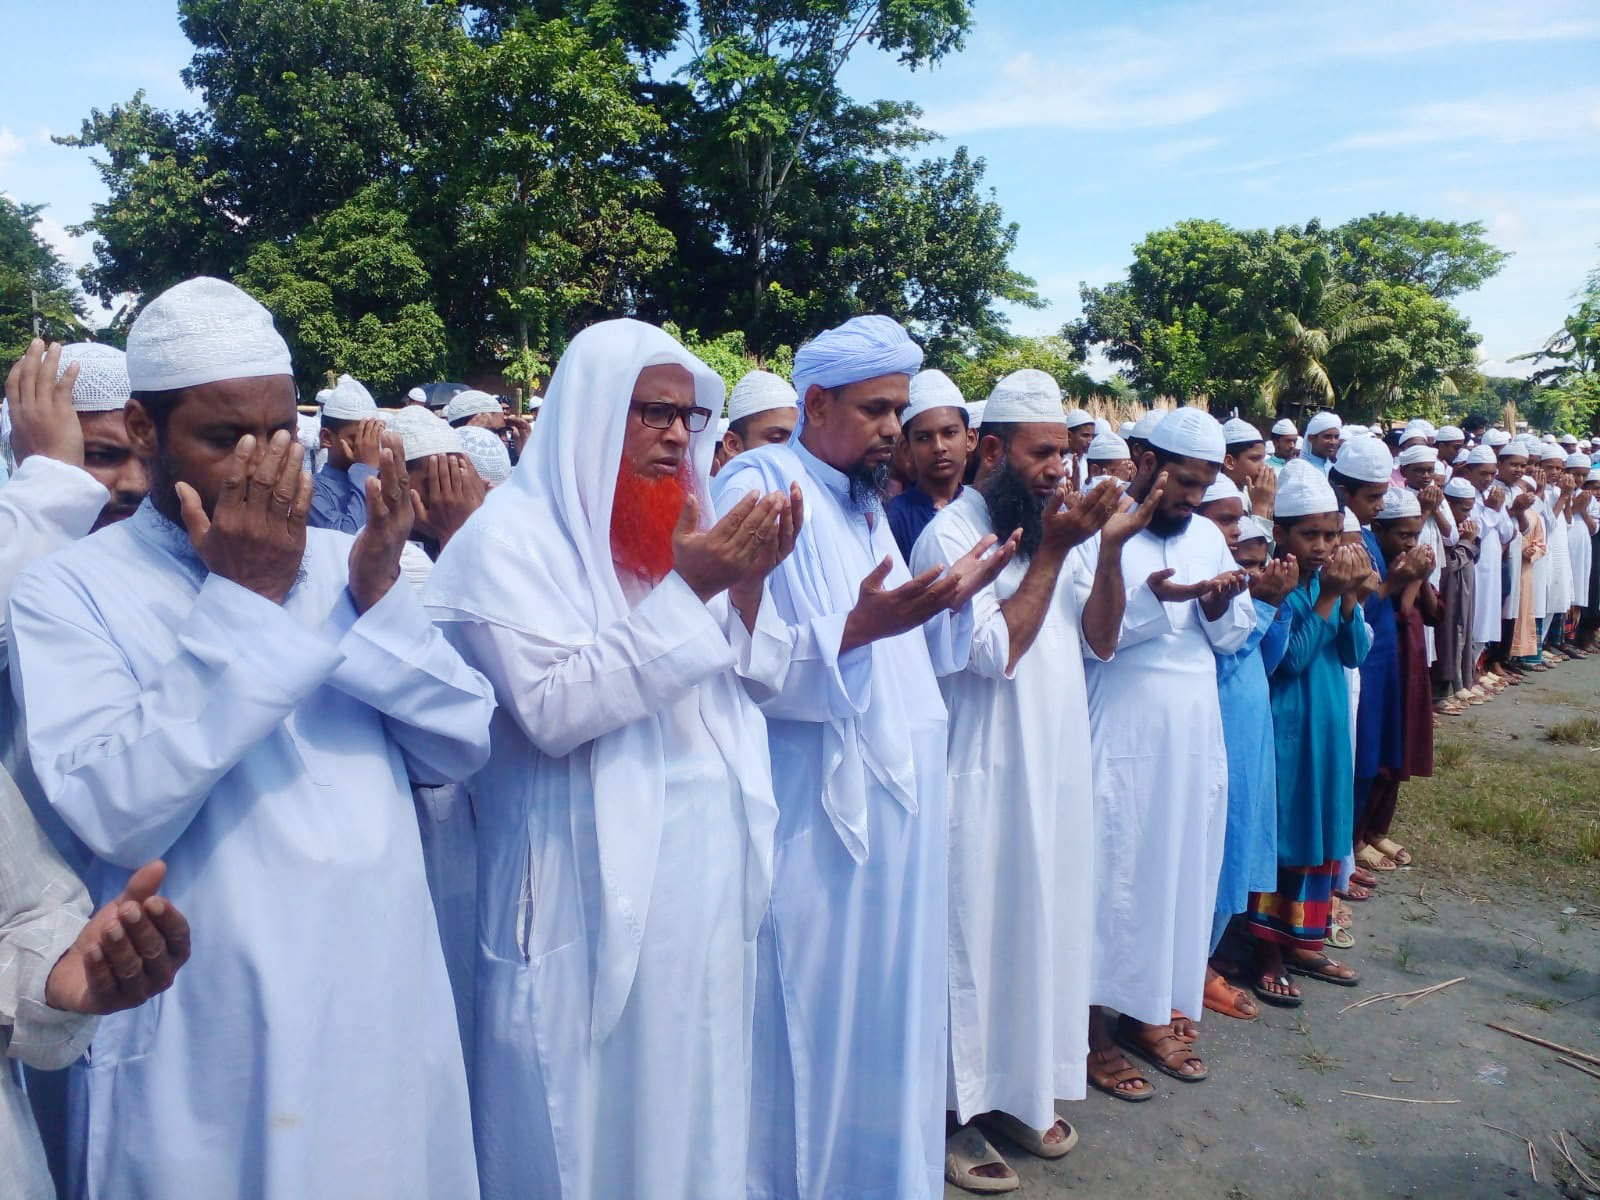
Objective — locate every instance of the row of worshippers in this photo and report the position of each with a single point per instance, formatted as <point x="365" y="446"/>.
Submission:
<point x="679" y="831"/>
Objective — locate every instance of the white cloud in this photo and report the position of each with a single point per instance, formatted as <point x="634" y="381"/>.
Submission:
<point x="10" y="146"/>
<point x="1515" y="119"/>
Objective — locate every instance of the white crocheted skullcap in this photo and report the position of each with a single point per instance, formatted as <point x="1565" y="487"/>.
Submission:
<point x="1284" y="428"/>
<point x="1222" y="488"/>
<point x="102" y="382"/>
<point x="348" y="400"/>
<point x="201" y="331"/>
<point x="1399" y="503"/>
<point x="763" y="391"/>
<point x="417" y="396"/>
<point x="425" y="434"/>
<point x="1239" y="432"/>
<point x="487" y="452"/>
<point x="1077" y="417"/>
<point x="469" y="404"/>
<point x="1107" y="447"/>
<point x="1027" y="397"/>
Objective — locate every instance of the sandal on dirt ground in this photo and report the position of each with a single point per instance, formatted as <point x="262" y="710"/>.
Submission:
<point x="1165" y="1051"/>
<point x="1374" y="859"/>
<point x="1355" y="893"/>
<point x="1339" y="937"/>
<point x="1222" y="997"/>
<point x="964" y="1151"/>
<point x="1364" y="877"/>
<point x="1276" y="999"/>
<point x="1030" y="1139"/>
<point x="1109" y="1075"/>
<point x="1392" y="848"/>
<point x="1183" y="1028"/>
<point x="1322" y="971"/>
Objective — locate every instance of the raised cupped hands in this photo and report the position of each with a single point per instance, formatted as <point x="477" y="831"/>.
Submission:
<point x="255" y="535"/>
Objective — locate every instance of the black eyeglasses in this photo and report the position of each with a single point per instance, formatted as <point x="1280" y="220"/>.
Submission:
<point x="662" y="415"/>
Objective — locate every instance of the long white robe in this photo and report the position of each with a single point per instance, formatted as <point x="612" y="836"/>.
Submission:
<point x="1160" y="776"/>
<point x="1437" y="530"/>
<point x="1581" y="550"/>
<point x="1558" y="554"/>
<point x="849" y="1058"/>
<point x="1021" y="829"/>
<point x="1494" y="531"/>
<point x="309" y="1048"/>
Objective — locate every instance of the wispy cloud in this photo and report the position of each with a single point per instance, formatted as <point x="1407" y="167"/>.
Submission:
<point x="1498" y="118"/>
<point x="10" y="146"/>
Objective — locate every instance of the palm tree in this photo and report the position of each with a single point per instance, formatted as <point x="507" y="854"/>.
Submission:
<point x="1300" y="377"/>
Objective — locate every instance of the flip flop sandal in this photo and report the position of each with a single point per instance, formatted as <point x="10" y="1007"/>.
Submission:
<point x="1355" y="893"/>
<point x="1362" y="877"/>
<point x="1111" y="1077"/>
<point x="1276" y="999"/>
<point x="1222" y="997"/>
<point x="1030" y="1139"/>
<point x="965" y="1150"/>
<point x="1339" y="937"/>
<point x="1131" y="1042"/>
<point x="1397" y="852"/>
<point x="1374" y="860"/>
<point x="1319" y="971"/>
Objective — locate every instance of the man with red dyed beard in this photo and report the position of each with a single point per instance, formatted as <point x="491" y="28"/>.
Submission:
<point x="625" y="818"/>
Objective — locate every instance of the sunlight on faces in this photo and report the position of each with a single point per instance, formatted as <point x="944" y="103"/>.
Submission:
<point x="1187" y="481"/>
<point x="658" y="453"/>
<point x="1512" y="468"/>
<point x="110" y="457"/>
<point x="1312" y="540"/>
<point x="203" y="424"/>
<point x="769" y="428"/>
<point x="856" y="424"/>
<point x="1481" y="474"/>
<point x="1226" y="515"/>
<point x="939" y="443"/>
<point x="1324" y="444"/>
<point x="1035" y="453"/>
<point x="653" y="476"/>
<point x="1397" y="536"/>
<point x="1365" y="500"/>
<point x="1244" y="462"/>
<point x="1079" y="437"/>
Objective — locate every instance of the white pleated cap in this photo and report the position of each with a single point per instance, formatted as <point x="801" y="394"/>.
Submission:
<point x="762" y="391"/>
<point x="1552" y="454"/>
<point x="201" y="331"/>
<point x="348" y="400"/>
<point x="425" y="434"/>
<point x="1449" y="433"/>
<point x="1417" y="428"/>
<point x="1143" y="427"/>
<point x="1077" y="417"/>
<point x="1222" y="488"/>
<point x="1496" y="437"/>
<point x="1578" y="462"/>
<point x="469" y="403"/>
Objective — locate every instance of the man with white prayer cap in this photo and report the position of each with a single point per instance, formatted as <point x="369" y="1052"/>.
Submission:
<point x="1417" y="432"/>
<point x="1244" y="462"/>
<point x="488" y="455"/>
<point x="417" y="396"/>
<point x="1109" y="454"/>
<point x="1496" y="437"/>
<point x="1322" y="440"/>
<point x="1081" y="429"/>
<point x="1511" y="462"/>
<point x="1285" y="443"/>
<point x="761" y="411"/>
<point x="447" y="488"/>
<point x="1021" y="814"/>
<point x="352" y="434"/>
<point x="939" y="442"/>
<point x="1416" y="466"/>
<point x="625" y="819"/>
<point x="1139" y="436"/>
<point x="1158" y="767"/>
<point x="211" y="682"/>
<point x="1495" y="531"/>
<point x="852" y="986"/>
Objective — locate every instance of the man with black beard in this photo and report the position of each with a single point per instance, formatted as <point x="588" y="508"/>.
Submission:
<point x="1160" y="772"/>
<point x="1021" y="888"/>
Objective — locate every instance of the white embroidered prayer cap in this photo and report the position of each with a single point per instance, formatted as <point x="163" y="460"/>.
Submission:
<point x="348" y="400"/>
<point x="1237" y="432"/>
<point x="417" y="396"/>
<point x="1077" y="417"/>
<point x="1578" y="462"/>
<point x="762" y="391"/>
<point x="469" y="403"/>
<point x="1418" y="428"/>
<point x="1222" y="488"/>
<point x="102" y="382"/>
<point x="1303" y="491"/>
<point x="1460" y="489"/>
<point x="425" y="434"/>
<point x="1143" y="427"/>
<point x="1284" y="427"/>
<point x="1026" y="397"/>
<point x="1399" y="503"/>
<point x="1107" y="447"/>
<point x="487" y="452"/>
<point x="930" y="389"/>
<point x="1449" y="433"/>
<point x="1365" y="460"/>
<point x="1412" y="455"/>
<point x="1322" y="422"/>
<point x="201" y="331"/>
<point x="1479" y="455"/>
<point x="1192" y="433"/>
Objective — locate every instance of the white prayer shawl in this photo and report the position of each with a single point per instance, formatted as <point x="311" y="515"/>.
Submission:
<point x="1494" y="531"/>
<point x="1021" y="837"/>
<point x="851" y="986"/>
<point x="624" y="820"/>
<point x="309" y="1048"/>
<point x="1160" y="776"/>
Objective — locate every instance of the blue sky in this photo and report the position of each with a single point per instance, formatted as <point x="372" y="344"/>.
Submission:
<point x="1103" y="121"/>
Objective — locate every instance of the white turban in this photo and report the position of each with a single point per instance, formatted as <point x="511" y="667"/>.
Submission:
<point x="1222" y="489"/>
<point x="1417" y="428"/>
<point x="102" y="382"/>
<point x="861" y="348"/>
<point x="762" y="391"/>
<point x="1026" y="397"/>
<point x="487" y="452"/>
<point x="348" y="400"/>
<point x="1107" y="447"/>
<point x="1145" y="425"/>
<point x="1449" y="433"/>
<point x="1237" y="432"/>
<point x="1479" y="455"/>
<point x="1399" y="503"/>
<point x="1284" y="428"/>
<point x="1460" y="489"/>
<point x="1303" y="491"/>
<point x="1413" y="455"/>
<point x="1365" y="460"/>
<point x="930" y="389"/>
<point x="1077" y="417"/>
<point x="469" y="403"/>
<point x="1192" y="433"/>
<point x="425" y="434"/>
<point x="201" y="331"/>
<point x="1577" y="462"/>
<point x="1322" y="422"/>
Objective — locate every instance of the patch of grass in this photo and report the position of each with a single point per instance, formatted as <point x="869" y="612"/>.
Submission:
<point x="1405" y="956"/>
<point x="1562" y="973"/>
<point x="1319" y="1061"/>
<point x="1503" y="819"/>
<point x="1299" y="1026"/>
<point x="1293" y="1099"/>
<point x="1563" y="924"/>
<point x="1521" y="958"/>
<point x="1579" y="731"/>
<point x="1359" y="1136"/>
<point x="1448" y="756"/>
<point x="1586" y="843"/>
<point x="1534" y="1000"/>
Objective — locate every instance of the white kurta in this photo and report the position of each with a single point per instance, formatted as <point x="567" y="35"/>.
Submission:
<point x="309" y="1048"/>
<point x="1021" y="829"/>
<point x="851" y="984"/>
<point x="1581" y="551"/>
<point x="1437" y="531"/>
<point x="1494" y="531"/>
<point x="1514" y="564"/>
<point x="659" y="1106"/>
<point x="1558" y="580"/>
<point x="1160" y="776"/>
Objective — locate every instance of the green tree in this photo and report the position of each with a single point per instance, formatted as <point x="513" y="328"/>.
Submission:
<point x="1443" y="258"/>
<point x="34" y="283"/>
<point x="976" y="374"/>
<point x="1567" y="378"/>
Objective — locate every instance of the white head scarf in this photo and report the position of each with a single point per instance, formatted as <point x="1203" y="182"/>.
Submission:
<point x="536" y="558"/>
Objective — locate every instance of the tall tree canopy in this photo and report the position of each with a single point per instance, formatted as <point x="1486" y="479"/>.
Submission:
<point x="34" y="284"/>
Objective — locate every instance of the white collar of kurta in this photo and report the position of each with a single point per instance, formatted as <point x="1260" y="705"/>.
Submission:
<point x="835" y="480"/>
<point x="148" y="523"/>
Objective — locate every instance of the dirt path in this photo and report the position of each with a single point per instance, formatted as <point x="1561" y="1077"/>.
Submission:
<point x="1272" y="1120"/>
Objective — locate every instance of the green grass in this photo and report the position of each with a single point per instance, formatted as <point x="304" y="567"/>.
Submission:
<point x="1579" y="731"/>
<point x="1360" y="1137"/>
<point x="1534" y="1000"/>
<point x="1293" y="1099"/>
<point x="1319" y="1061"/>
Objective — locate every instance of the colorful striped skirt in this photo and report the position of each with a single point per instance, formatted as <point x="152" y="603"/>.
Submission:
<point x="1296" y="915"/>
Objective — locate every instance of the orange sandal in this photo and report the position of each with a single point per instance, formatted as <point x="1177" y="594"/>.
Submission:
<point x="1222" y="997"/>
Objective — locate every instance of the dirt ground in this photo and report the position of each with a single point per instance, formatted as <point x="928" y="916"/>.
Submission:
<point x="1273" y="1119"/>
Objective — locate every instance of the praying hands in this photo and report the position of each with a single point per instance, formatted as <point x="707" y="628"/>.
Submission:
<point x="129" y="951"/>
<point x="256" y="533"/>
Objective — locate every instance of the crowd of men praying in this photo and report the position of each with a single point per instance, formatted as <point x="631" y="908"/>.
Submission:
<point x="797" y="798"/>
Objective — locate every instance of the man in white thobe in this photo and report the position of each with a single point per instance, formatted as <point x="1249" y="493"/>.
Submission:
<point x="209" y="682"/>
<point x="625" y="818"/>
<point x="1494" y="531"/>
<point x="851" y="983"/>
<point x="1159" y="769"/>
<point x="1021" y="809"/>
